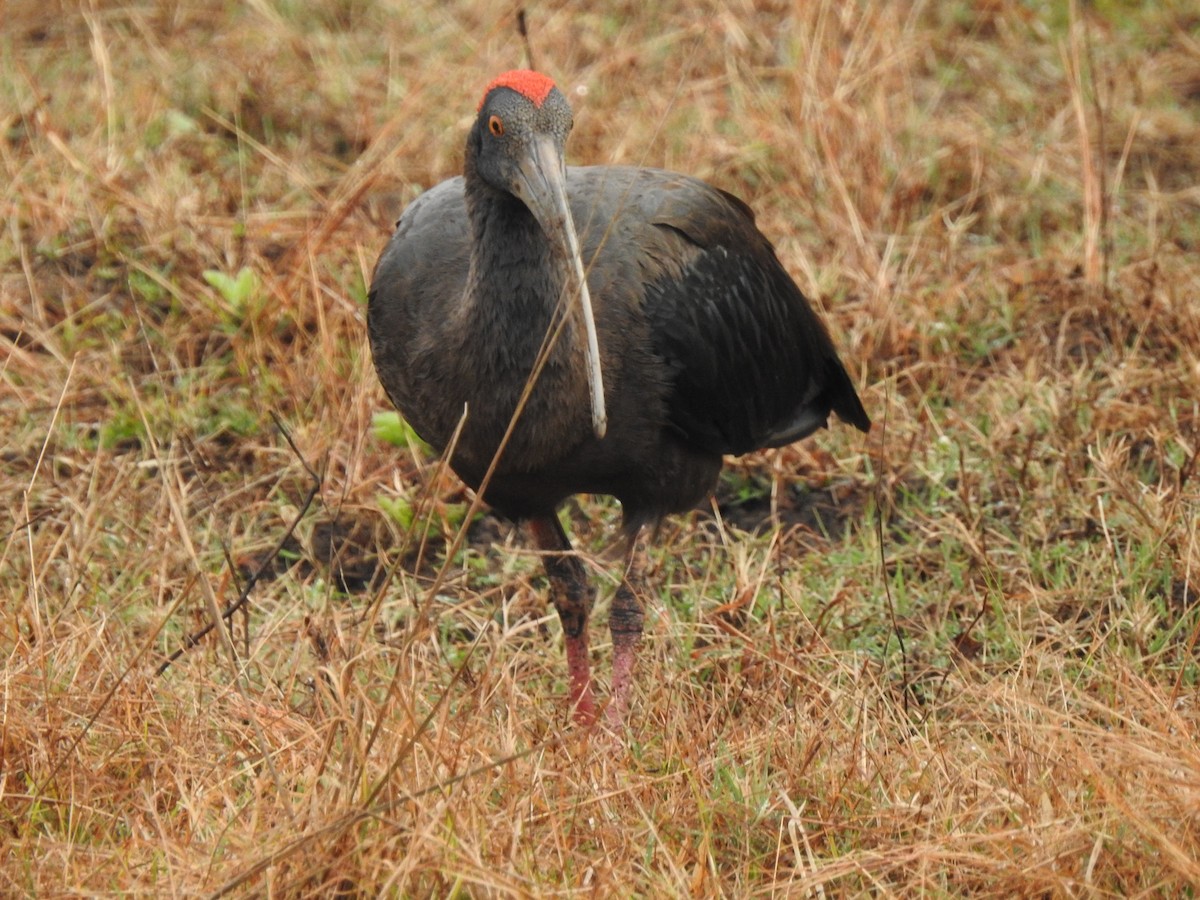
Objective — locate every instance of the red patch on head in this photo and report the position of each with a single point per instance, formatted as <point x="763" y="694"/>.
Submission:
<point x="533" y="86"/>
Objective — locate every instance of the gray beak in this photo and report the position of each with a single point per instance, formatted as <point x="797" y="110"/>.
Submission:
<point x="542" y="186"/>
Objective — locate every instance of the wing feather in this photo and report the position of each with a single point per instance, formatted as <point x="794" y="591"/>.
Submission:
<point x="753" y="364"/>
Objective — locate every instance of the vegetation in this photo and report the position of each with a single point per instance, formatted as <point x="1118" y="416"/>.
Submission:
<point x="955" y="656"/>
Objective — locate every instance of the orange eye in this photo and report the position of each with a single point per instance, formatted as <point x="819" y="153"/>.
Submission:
<point x="496" y="126"/>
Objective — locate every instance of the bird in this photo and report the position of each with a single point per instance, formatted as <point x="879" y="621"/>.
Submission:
<point x="560" y="330"/>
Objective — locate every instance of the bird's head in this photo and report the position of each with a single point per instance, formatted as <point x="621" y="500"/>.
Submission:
<point x="516" y="146"/>
<point x="518" y="142"/>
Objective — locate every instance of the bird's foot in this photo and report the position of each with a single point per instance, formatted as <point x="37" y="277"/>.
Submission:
<point x="583" y="711"/>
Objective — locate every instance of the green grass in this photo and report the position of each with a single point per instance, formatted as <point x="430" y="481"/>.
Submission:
<point x="955" y="657"/>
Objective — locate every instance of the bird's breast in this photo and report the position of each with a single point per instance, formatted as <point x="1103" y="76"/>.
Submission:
<point x="514" y="388"/>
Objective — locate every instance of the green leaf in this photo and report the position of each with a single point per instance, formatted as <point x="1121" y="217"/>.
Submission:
<point x="399" y="510"/>
<point x="237" y="291"/>
<point x="391" y="427"/>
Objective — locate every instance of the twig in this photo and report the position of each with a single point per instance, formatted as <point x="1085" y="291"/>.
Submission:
<point x="244" y="594"/>
<point x="523" y="31"/>
<point x="887" y="587"/>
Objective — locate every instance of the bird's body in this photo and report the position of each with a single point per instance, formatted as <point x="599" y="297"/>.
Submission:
<point x="706" y="346"/>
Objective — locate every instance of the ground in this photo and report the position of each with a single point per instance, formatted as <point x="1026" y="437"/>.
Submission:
<point x="956" y="655"/>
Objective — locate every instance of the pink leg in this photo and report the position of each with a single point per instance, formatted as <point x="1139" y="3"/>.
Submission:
<point x="572" y="596"/>
<point x="625" y="623"/>
<point x="578" y="669"/>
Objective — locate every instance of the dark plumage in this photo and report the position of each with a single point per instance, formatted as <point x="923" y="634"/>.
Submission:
<point x="706" y="346"/>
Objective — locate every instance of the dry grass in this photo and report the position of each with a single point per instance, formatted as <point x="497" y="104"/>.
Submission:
<point x="956" y="657"/>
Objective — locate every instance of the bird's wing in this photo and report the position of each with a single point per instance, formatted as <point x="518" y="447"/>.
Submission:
<point x="753" y="365"/>
<point x="422" y="268"/>
<point x="429" y="246"/>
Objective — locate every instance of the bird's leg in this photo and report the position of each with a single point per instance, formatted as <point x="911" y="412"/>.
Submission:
<point x="572" y="595"/>
<point x="625" y="623"/>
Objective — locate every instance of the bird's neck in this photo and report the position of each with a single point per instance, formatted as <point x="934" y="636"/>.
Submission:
<point x="516" y="278"/>
<point x="514" y="290"/>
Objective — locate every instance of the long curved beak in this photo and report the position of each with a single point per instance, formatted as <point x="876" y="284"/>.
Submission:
<point x="542" y="186"/>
